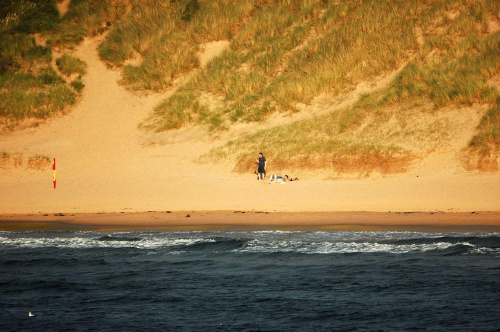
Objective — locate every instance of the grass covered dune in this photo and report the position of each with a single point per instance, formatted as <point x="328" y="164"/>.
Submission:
<point x="32" y="86"/>
<point x="282" y="56"/>
<point x="374" y="105"/>
<point x="285" y="54"/>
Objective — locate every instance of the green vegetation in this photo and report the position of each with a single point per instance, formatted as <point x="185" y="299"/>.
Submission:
<point x="167" y="36"/>
<point x="23" y="16"/>
<point x="488" y="138"/>
<point x="452" y="67"/>
<point x="69" y="65"/>
<point x="314" y="144"/>
<point x="29" y="85"/>
<point x="286" y="53"/>
<point x="282" y="55"/>
<point x="86" y="18"/>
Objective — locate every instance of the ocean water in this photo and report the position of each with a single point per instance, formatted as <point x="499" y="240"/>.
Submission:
<point x="249" y="281"/>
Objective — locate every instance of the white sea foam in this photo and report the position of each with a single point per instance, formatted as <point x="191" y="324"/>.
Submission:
<point x="251" y="242"/>
<point x="95" y="242"/>
<point x="340" y="247"/>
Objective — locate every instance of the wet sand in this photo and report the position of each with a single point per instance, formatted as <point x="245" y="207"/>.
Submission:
<point x="255" y="220"/>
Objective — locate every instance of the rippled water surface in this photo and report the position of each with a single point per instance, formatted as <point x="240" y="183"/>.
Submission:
<point x="249" y="281"/>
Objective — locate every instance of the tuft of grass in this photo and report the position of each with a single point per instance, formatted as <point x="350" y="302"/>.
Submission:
<point x="16" y="105"/>
<point x="77" y="85"/>
<point x="189" y="10"/>
<point x="33" y="95"/>
<point x="457" y="75"/>
<point x="19" y="52"/>
<point x="86" y="18"/>
<point x="29" y="86"/>
<point x="11" y="160"/>
<point x="167" y="37"/>
<point x="492" y="7"/>
<point x="484" y="148"/>
<point x="23" y="16"/>
<point x="70" y="65"/>
<point x="488" y="138"/>
<point x="38" y="163"/>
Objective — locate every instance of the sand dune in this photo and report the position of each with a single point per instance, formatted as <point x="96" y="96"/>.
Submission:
<point x="105" y="163"/>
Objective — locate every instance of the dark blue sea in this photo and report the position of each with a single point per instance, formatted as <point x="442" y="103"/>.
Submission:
<point x="249" y="281"/>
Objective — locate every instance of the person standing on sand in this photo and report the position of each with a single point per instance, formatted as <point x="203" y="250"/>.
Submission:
<point x="261" y="171"/>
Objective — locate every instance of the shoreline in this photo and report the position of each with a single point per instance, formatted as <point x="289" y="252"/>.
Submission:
<point x="482" y="221"/>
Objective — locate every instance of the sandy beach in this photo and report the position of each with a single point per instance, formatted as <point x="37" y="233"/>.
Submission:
<point x="255" y="220"/>
<point x="106" y="164"/>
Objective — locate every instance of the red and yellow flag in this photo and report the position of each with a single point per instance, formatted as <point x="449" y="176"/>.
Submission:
<point x="54" y="173"/>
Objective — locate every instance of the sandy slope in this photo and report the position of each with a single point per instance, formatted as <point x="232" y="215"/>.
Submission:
<point x="62" y="7"/>
<point x="105" y="163"/>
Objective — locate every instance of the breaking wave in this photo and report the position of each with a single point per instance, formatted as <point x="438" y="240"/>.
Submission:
<point x="264" y="242"/>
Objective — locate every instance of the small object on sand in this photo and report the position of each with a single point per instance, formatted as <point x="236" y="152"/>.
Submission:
<point x="188" y="216"/>
<point x="30" y="314"/>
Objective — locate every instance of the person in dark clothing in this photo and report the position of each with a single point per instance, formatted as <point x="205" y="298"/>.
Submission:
<point x="261" y="171"/>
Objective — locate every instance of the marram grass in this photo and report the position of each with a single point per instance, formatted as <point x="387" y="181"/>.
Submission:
<point x="281" y="53"/>
<point x="29" y="86"/>
<point x="70" y="65"/>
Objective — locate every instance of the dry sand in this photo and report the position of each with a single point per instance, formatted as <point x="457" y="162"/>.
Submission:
<point x="106" y="164"/>
<point x="62" y="7"/>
